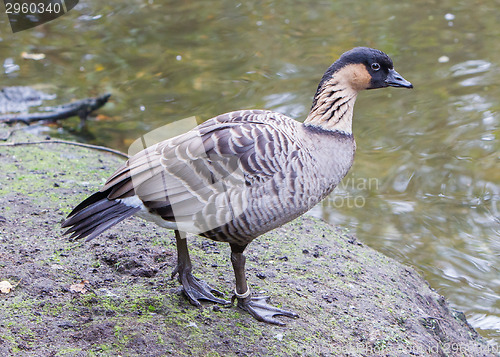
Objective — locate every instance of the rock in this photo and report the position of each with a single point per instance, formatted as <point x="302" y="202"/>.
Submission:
<point x="351" y="299"/>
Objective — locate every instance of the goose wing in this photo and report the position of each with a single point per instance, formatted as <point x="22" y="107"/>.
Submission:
<point x="204" y="178"/>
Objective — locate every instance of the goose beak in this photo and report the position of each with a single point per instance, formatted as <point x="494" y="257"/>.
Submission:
<point x="394" y="79"/>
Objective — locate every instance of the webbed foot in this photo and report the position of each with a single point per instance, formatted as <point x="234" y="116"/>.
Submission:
<point x="259" y="308"/>
<point x="196" y="289"/>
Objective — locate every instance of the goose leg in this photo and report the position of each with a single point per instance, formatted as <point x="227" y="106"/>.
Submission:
<point x="257" y="306"/>
<point x="192" y="287"/>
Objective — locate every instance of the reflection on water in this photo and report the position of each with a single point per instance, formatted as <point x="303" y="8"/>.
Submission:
<point x="425" y="186"/>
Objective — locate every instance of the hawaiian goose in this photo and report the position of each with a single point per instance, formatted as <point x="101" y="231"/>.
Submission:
<point x="241" y="174"/>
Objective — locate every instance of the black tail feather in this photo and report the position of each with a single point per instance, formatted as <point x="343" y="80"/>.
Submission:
<point x="88" y="211"/>
<point x="98" y="196"/>
<point x="95" y="215"/>
<point x="90" y="221"/>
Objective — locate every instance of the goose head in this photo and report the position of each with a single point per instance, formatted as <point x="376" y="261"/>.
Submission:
<point x="358" y="69"/>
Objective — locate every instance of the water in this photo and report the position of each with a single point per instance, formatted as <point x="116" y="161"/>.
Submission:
<point x="425" y="186"/>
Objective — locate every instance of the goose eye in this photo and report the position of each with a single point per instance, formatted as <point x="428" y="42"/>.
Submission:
<point x="375" y="66"/>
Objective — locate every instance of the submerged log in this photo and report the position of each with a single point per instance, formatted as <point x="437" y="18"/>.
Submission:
<point x="81" y="108"/>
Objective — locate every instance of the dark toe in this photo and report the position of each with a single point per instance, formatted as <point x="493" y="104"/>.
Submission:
<point x="262" y="311"/>
<point x="196" y="290"/>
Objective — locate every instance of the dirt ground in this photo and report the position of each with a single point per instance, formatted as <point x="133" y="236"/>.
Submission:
<point x="113" y="296"/>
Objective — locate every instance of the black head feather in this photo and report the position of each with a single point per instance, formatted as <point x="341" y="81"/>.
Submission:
<point x="360" y="55"/>
<point x="378" y="65"/>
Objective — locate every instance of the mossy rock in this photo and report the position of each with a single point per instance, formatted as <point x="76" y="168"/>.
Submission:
<point x="352" y="300"/>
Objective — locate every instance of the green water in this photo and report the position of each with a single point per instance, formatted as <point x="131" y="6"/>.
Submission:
<point x="425" y="187"/>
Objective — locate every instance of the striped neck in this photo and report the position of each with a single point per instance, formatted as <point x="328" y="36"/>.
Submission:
<point x="333" y="103"/>
<point x="333" y="106"/>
